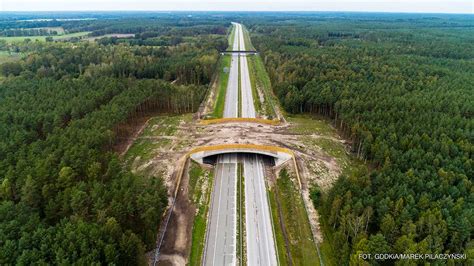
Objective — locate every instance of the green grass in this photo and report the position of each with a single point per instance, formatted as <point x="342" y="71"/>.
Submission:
<point x="329" y="146"/>
<point x="223" y="79"/>
<point x="165" y="125"/>
<point x="279" y="237"/>
<point x="231" y="37"/>
<point x="302" y="247"/>
<point x="327" y="253"/>
<point x="247" y="42"/>
<point x="201" y="198"/>
<point x="262" y="81"/>
<point x="146" y="146"/>
<point x="253" y="83"/>
<point x="240" y="215"/>
<point x="307" y="125"/>
<point x="9" y="57"/>
<point x="59" y="30"/>
<point x="43" y="38"/>
<point x="326" y="140"/>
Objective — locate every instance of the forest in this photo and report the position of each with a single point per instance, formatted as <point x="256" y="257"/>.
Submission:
<point x="399" y="88"/>
<point x="65" y="195"/>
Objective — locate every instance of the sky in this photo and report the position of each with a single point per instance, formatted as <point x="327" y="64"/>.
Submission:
<point x="431" y="6"/>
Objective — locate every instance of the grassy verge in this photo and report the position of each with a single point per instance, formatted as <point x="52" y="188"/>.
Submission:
<point x="200" y="186"/>
<point x="279" y="236"/>
<point x="43" y="38"/>
<point x="154" y="136"/>
<point x="231" y="37"/>
<point x="327" y="253"/>
<point x="300" y="241"/>
<point x="253" y="83"/>
<point x="262" y="82"/>
<point x="247" y="42"/>
<point x="223" y="79"/>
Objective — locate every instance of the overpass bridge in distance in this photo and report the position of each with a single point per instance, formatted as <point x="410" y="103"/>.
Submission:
<point x="251" y="52"/>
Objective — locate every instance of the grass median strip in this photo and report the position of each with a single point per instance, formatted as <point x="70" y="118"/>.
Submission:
<point x="231" y="37"/>
<point x="247" y="42"/>
<point x="240" y="215"/>
<point x="200" y="184"/>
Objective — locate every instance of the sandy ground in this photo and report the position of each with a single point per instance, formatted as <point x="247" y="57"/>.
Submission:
<point x="310" y="160"/>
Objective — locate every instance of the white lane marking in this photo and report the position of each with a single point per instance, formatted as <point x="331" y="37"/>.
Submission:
<point x="261" y="178"/>
<point x="217" y="225"/>
<point x="234" y="211"/>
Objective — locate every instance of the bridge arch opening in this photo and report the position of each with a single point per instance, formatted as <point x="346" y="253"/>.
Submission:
<point x="209" y="154"/>
<point x="268" y="160"/>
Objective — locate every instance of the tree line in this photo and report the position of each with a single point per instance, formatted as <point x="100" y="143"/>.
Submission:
<point x="28" y="32"/>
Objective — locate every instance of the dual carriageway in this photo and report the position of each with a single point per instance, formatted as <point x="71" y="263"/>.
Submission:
<point x="221" y="238"/>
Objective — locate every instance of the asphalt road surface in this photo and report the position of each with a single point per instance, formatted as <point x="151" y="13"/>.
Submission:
<point x="221" y="236"/>
<point x="260" y="243"/>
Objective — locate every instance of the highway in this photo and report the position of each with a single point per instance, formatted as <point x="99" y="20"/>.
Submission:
<point x="248" y="109"/>
<point x="221" y="236"/>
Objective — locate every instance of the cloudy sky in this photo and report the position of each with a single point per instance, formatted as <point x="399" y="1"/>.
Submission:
<point x="439" y="6"/>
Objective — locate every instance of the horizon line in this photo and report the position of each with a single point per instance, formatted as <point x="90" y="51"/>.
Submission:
<point x="243" y="11"/>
